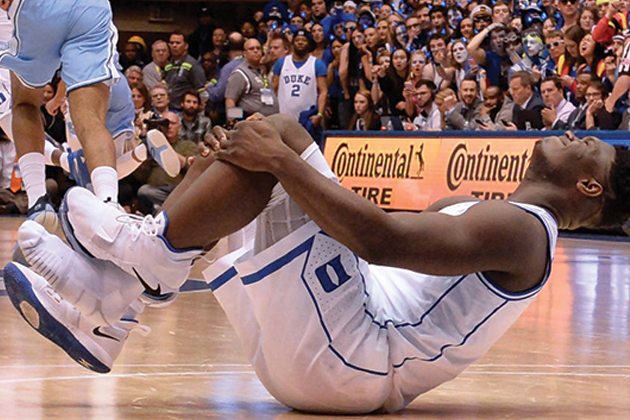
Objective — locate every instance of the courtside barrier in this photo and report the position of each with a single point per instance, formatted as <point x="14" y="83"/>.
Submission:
<point x="411" y="170"/>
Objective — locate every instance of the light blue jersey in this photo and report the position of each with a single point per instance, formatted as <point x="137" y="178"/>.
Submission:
<point x="78" y="34"/>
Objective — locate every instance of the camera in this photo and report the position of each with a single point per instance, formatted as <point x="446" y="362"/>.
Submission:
<point x="156" y="123"/>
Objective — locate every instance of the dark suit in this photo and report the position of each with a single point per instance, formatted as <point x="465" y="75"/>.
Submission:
<point x="576" y="120"/>
<point x="532" y="114"/>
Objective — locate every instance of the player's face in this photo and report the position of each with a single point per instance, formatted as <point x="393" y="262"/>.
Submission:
<point x="568" y="159"/>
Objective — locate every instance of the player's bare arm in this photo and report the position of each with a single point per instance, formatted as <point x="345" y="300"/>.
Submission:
<point x="430" y="242"/>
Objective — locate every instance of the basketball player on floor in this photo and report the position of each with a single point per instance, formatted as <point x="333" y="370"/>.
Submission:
<point x="340" y="306"/>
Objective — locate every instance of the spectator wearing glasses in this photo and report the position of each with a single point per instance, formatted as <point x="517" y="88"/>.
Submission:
<point x="597" y="117"/>
<point x="482" y="17"/>
<point x="160" y="100"/>
<point x="557" y="109"/>
<point x="569" y="11"/>
<point x="422" y="101"/>
<point x="413" y="27"/>
<point x="555" y="46"/>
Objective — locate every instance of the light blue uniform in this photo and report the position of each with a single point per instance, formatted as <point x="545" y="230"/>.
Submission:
<point x="78" y="34"/>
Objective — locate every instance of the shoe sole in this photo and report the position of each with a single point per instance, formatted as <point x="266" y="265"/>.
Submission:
<point x="168" y="160"/>
<point x="26" y="302"/>
<point x="68" y="231"/>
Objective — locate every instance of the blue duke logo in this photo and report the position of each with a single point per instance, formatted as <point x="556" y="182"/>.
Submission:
<point x="329" y="265"/>
<point x="297" y="78"/>
<point x="332" y="274"/>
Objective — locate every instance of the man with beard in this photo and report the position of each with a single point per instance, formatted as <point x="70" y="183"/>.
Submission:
<point x="195" y="126"/>
<point x="300" y="81"/>
<point x="249" y="87"/>
<point x="462" y="115"/>
<point x="421" y="103"/>
<point x="494" y="59"/>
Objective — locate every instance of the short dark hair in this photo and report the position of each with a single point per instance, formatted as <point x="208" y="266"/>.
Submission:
<point x="616" y="209"/>
<point x="191" y="92"/>
<point x="429" y="84"/>
<point x="180" y="33"/>
<point x="526" y="78"/>
<point x="556" y="81"/>
<point x="599" y="85"/>
<point x="438" y="9"/>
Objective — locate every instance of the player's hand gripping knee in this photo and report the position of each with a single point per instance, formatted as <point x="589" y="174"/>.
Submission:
<point x="253" y="145"/>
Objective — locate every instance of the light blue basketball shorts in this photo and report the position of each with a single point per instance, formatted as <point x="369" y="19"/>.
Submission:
<point x="78" y="35"/>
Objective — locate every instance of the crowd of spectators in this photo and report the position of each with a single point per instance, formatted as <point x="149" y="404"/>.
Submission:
<point x="414" y="65"/>
<point x="433" y="64"/>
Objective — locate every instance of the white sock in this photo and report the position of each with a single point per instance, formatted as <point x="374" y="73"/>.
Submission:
<point x="63" y="161"/>
<point x="33" y="170"/>
<point x="105" y="183"/>
<point x="48" y="152"/>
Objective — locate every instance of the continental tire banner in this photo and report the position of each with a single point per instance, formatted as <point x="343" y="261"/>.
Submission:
<point x="410" y="173"/>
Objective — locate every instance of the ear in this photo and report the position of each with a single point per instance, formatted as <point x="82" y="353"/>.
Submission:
<point x="590" y="187"/>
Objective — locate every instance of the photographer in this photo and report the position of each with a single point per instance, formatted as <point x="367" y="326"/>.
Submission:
<point x="159" y="184"/>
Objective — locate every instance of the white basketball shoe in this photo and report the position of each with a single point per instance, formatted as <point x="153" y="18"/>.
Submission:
<point x="99" y="289"/>
<point x="92" y="346"/>
<point x="135" y="244"/>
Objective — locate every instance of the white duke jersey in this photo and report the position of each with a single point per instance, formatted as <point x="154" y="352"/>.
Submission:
<point x="438" y="325"/>
<point x="297" y="88"/>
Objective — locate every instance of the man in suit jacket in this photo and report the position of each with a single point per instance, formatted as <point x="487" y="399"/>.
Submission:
<point x="527" y="103"/>
<point x="462" y="116"/>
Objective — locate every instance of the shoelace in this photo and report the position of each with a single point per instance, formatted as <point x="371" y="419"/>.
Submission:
<point x="146" y="225"/>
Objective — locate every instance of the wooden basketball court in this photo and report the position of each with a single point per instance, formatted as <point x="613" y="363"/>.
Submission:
<point x="568" y="357"/>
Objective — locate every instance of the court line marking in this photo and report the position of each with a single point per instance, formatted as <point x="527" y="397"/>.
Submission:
<point x="227" y="373"/>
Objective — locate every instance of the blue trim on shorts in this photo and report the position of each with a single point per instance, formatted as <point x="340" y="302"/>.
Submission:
<point x="306" y="247"/>
<point x="461" y="343"/>
<point x="279" y="263"/>
<point x="423" y="316"/>
<point x="228" y="275"/>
